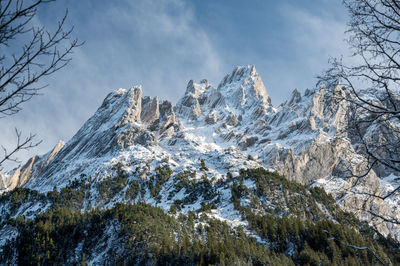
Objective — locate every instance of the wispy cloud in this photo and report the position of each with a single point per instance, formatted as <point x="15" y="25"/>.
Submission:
<point x="154" y="43"/>
<point x="162" y="44"/>
<point x="312" y="37"/>
<point x="317" y="35"/>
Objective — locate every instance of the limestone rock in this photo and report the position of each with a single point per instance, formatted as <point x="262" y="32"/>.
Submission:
<point x="150" y="110"/>
<point x="232" y="120"/>
<point x="33" y="167"/>
<point x="247" y="142"/>
<point x="211" y="118"/>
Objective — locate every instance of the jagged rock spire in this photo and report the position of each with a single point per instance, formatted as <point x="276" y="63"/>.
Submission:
<point x="244" y="85"/>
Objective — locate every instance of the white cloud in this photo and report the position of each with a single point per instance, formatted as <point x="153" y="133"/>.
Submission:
<point x="161" y="45"/>
<point x="313" y="37"/>
<point x="321" y="33"/>
<point x="154" y="43"/>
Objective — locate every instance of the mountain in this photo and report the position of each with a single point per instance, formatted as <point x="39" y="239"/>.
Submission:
<point x="188" y="157"/>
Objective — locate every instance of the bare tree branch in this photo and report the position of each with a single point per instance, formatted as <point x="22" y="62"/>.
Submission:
<point x="22" y="144"/>
<point x="386" y="219"/>
<point x="372" y="88"/>
<point x="354" y="247"/>
<point x="21" y="71"/>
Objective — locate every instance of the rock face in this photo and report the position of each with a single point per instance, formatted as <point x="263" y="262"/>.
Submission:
<point x="243" y="88"/>
<point x="30" y="169"/>
<point x="306" y="139"/>
<point x="150" y="110"/>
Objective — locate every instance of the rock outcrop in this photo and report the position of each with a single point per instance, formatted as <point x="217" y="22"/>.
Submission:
<point x="33" y="167"/>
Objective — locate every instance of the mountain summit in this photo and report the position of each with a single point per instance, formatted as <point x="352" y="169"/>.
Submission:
<point x="243" y="87"/>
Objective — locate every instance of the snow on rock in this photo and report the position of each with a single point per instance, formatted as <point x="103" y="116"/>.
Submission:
<point x="229" y="127"/>
<point x="29" y="170"/>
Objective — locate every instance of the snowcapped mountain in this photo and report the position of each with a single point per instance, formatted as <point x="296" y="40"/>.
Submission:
<point x="219" y="130"/>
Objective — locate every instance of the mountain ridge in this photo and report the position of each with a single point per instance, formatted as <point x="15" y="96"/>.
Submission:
<point x="304" y="139"/>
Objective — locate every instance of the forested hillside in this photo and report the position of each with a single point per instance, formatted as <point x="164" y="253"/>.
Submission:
<point x="287" y="223"/>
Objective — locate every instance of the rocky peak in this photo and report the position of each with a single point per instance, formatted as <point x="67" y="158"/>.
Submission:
<point x="150" y="110"/>
<point x="32" y="168"/>
<point x="118" y="108"/>
<point x="166" y="123"/>
<point x="328" y="107"/>
<point x="195" y="89"/>
<point x="243" y="87"/>
<point x="130" y="103"/>
<point x="189" y="105"/>
<point x="295" y="98"/>
<point x="53" y="153"/>
<point x="241" y="93"/>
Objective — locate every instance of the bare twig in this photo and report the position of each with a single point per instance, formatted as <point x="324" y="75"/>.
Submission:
<point x="372" y="87"/>
<point x="42" y="55"/>
<point x="354" y="247"/>
<point x="22" y="144"/>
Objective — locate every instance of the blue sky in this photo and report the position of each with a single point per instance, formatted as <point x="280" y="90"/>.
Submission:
<point x="162" y="44"/>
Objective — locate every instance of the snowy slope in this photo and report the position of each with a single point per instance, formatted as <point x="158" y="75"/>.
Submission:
<point x="229" y="127"/>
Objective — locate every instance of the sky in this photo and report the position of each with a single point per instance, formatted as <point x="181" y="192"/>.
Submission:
<point x="162" y="44"/>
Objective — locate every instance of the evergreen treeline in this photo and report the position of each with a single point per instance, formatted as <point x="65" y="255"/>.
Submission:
<point x="293" y="231"/>
<point x="139" y="234"/>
